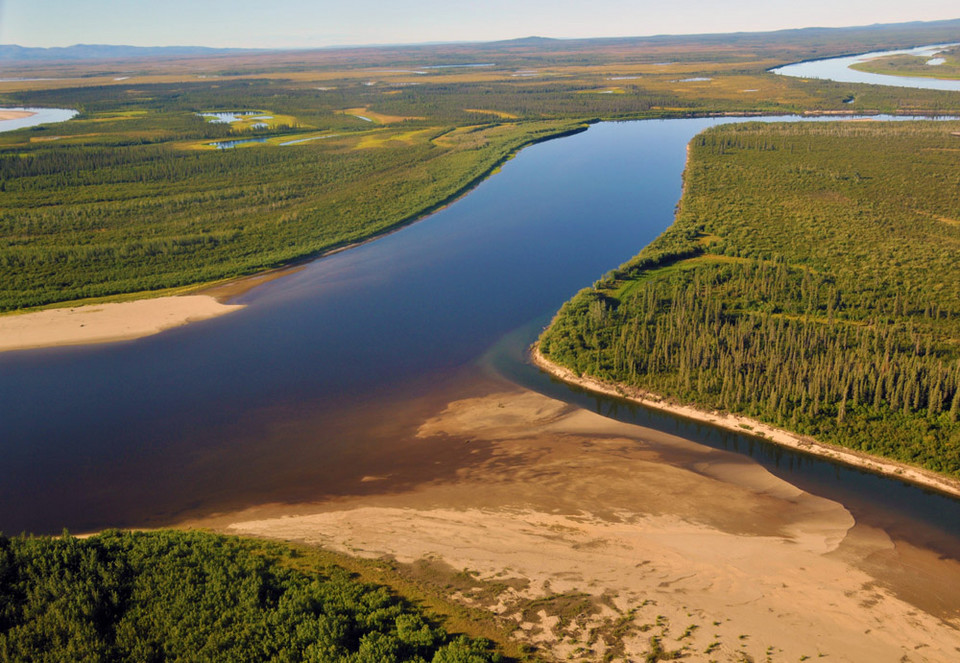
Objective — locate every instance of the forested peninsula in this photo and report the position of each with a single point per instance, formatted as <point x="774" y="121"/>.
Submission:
<point x="810" y="281"/>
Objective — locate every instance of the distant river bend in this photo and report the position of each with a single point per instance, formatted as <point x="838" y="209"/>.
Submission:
<point x="838" y="69"/>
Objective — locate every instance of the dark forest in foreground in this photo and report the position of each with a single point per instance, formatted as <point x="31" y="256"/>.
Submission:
<point x="191" y="596"/>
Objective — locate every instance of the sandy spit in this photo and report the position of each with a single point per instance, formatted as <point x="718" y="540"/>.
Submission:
<point x="915" y="475"/>
<point x="595" y="537"/>
<point x="102" y="323"/>
<point x="14" y="114"/>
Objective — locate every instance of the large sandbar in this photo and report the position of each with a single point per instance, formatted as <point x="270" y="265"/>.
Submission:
<point x="14" y="114"/>
<point x="593" y="536"/>
<point x="102" y="323"/>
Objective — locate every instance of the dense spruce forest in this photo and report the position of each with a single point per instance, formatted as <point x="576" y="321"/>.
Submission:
<point x="190" y="596"/>
<point x="133" y="197"/>
<point x="810" y="281"/>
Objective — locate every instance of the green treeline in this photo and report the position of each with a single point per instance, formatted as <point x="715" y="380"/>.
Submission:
<point x="811" y="280"/>
<point x="189" y="596"/>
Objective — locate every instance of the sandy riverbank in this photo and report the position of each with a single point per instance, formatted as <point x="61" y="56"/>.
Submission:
<point x="15" y="114"/>
<point x="594" y="536"/>
<point x="740" y="424"/>
<point x="102" y="323"/>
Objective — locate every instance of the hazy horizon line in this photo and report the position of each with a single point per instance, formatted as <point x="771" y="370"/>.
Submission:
<point x="473" y="41"/>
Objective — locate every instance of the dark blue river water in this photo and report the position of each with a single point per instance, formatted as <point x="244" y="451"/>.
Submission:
<point x="324" y="375"/>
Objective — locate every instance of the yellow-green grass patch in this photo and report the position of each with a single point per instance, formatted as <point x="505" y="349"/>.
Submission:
<point x="623" y="289"/>
<point x="114" y="116"/>
<point x="384" y="139"/>
<point x="501" y="114"/>
<point x="605" y="90"/>
<point x="473" y="135"/>
<point x="374" y="116"/>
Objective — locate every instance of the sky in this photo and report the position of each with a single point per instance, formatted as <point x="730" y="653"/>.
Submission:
<point x="321" y="23"/>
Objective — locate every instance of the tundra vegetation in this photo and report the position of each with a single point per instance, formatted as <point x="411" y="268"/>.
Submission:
<point x="132" y="197"/>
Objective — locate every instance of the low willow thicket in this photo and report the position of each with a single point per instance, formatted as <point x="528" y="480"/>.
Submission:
<point x="811" y="280"/>
<point x="190" y="596"/>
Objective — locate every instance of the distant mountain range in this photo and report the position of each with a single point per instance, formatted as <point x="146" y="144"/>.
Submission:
<point x="14" y="53"/>
<point x="946" y="30"/>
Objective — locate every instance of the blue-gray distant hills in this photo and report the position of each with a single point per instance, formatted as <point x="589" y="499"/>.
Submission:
<point x="14" y="53"/>
<point x="860" y="38"/>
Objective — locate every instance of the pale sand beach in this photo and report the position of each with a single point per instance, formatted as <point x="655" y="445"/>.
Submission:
<point x="102" y="323"/>
<point x="592" y="537"/>
<point x="15" y="114"/>
<point x="902" y="471"/>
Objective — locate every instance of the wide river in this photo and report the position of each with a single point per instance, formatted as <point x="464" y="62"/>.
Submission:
<point x="317" y="382"/>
